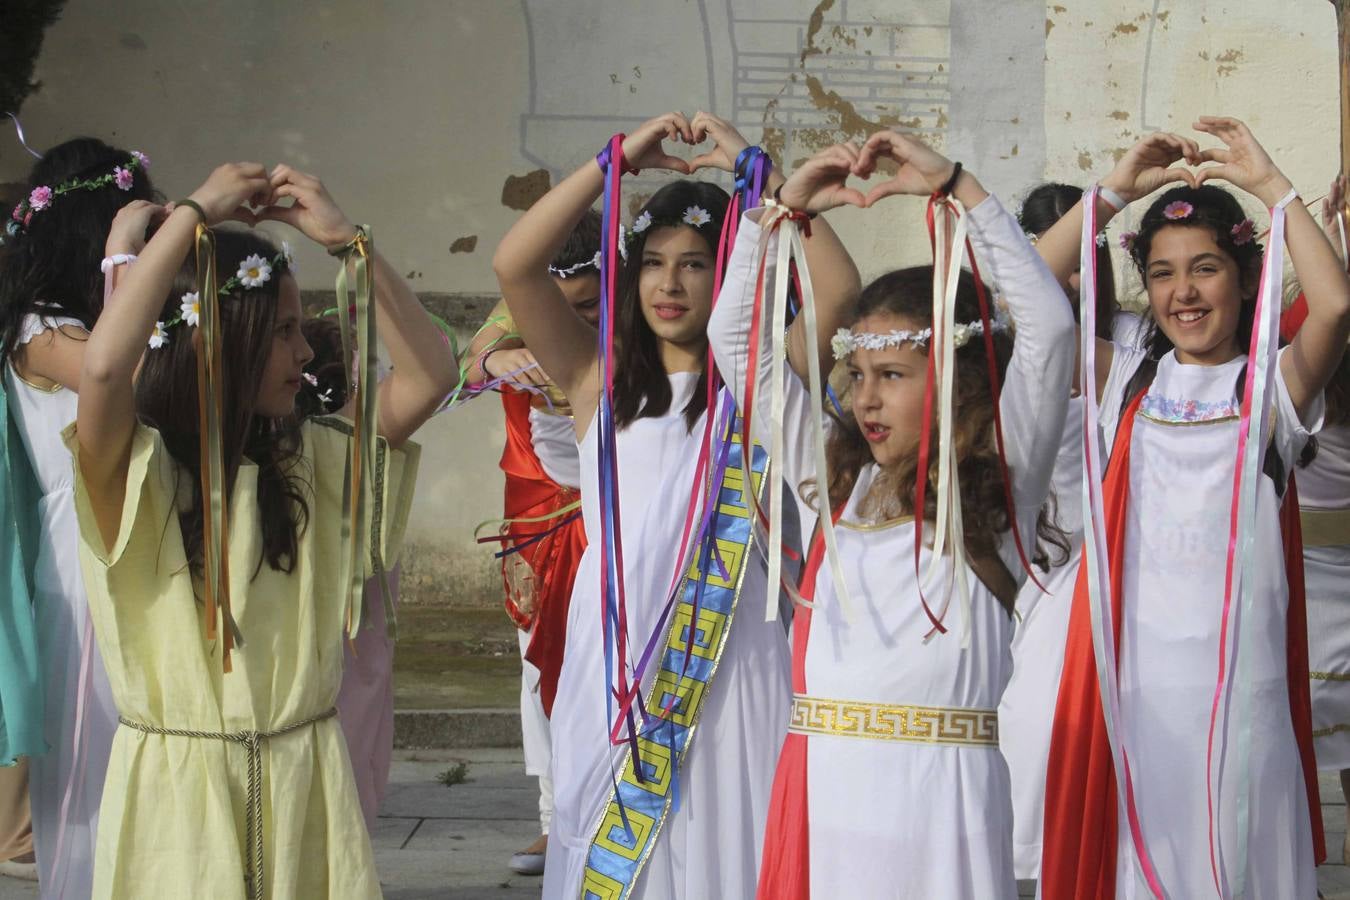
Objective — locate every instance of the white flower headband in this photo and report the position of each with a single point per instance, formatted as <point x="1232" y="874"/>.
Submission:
<point x="592" y="263"/>
<point x="254" y="272"/>
<point x="845" y="341"/>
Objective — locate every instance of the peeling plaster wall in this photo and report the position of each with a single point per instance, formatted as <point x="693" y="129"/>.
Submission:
<point x="437" y="120"/>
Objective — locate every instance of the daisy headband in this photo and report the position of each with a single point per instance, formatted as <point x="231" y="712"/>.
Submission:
<point x="845" y="341"/>
<point x="254" y="271"/>
<point x="42" y="196"/>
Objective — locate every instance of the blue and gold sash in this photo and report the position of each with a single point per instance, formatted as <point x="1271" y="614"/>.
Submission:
<point x="618" y="851"/>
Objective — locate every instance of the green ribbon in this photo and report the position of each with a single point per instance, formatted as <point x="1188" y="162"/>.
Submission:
<point x="358" y="498"/>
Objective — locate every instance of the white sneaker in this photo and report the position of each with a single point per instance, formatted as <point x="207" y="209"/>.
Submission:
<point x="527" y="863"/>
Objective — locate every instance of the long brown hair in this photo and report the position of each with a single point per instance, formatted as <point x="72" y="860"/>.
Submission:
<point x="907" y="294"/>
<point x="641" y="384"/>
<point x="166" y="400"/>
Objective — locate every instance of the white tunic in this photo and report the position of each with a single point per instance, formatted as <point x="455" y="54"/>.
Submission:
<point x="711" y="846"/>
<point x="65" y="639"/>
<point x="554" y="439"/>
<point x="1027" y="712"/>
<point x="1325" y="486"/>
<point x="1181" y="483"/>
<point x="891" y="818"/>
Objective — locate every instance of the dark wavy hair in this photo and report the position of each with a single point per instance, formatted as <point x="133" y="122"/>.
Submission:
<point x="166" y="400"/>
<point x="1218" y="211"/>
<point x="582" y="243"/>
<point x="1043" y="207"/>
<point x="52" y="266"/>
<point x="641" y="384"/>
<point x="907" y="294"/>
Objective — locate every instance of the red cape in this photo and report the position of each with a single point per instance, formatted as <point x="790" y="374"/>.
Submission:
<point x="531" y="493"/>
<point x="1079" y="842"/>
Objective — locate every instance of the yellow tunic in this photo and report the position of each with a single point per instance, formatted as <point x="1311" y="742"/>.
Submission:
<point x="172" y="821"/>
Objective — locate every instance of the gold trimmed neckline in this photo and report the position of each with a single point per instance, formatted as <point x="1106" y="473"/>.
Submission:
<point x="878" y="526"/>
<point x="58" y="388"/>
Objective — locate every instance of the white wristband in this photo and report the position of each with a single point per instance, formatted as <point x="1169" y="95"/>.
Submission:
<point x="1287" y="199"/>
<point x="1111" y="198"/>
<point x="117" y="259"/>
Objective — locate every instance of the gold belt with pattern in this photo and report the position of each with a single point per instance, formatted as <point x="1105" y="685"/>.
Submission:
<point x="883" y="722"/>
<point x="1325" y="527"/>
<point x="252" y="742"/>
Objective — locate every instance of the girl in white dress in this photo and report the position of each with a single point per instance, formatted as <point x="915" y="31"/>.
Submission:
<point x="709" y="845"/>
<point x="52" y="288"/>
<point x="1168" y="494"/>
<point x="1027" y="709"/>
<point x="890" y="782"/>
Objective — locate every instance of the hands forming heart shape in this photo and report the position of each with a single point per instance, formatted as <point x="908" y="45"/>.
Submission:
<point x="248" y="193"/>
<point x="1153" y="163"/>
<point x="821" y="183"/>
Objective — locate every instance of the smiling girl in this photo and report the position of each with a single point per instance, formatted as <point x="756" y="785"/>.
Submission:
<point x="890" y="782"/>
<point x="1171" y="414"/>
<point x="708" y="845"/>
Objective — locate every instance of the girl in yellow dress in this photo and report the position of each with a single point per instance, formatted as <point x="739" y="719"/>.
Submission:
<point x="234" y="784"/>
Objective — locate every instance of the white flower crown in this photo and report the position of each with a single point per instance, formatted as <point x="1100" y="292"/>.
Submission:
<point x="846" y="341"/>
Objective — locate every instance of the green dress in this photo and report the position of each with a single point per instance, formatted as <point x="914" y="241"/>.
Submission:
<point x="20" y="684"/>
<point x="173" y="821"/>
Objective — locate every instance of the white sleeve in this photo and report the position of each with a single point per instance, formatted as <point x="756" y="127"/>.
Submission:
<point x="1035" y="393"/>
<point x="1291" y="434"/>
<point x="729" y="336"/>
<point x="34" y="325"/>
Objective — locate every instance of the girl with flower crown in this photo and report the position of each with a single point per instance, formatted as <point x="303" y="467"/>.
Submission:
<point x="1204" y="808"/>
<point x="229" y="774"/>
<point x="85" y="202"/>
<point x="890" y="775"/>
<point x="708" y="844"/>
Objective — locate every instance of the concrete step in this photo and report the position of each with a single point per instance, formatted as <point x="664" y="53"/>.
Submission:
<point x="436" y="729"/>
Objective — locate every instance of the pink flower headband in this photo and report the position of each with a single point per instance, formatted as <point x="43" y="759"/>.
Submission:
<point x="42" y="196"/>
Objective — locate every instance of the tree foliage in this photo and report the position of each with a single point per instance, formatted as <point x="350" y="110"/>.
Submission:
<point x="22" y="25"/>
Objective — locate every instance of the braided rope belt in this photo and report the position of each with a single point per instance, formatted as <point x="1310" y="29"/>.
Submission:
<point x="252" y="742"/>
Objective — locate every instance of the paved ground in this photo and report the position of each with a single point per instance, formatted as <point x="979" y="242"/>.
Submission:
<point x="451" y="843"/>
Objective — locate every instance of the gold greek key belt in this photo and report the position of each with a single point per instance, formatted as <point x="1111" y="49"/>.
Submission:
<point x="881" y="722"/>
<point x="1325" y="527"/>
<point x="252" y="742"/>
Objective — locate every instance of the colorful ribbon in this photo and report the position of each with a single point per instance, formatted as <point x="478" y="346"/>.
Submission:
<point x="210" y="405"/>
<point x="362" y="393"/>
<point x="1095" y="554"/>
<point x="787" y="225"/>
<point x="1233" y="670"/>
<point x="23" y="141"/>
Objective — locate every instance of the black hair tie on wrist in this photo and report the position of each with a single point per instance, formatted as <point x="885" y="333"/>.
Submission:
<point x="950" y="184"/>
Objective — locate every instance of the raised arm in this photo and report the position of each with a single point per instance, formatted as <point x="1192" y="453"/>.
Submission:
<point x="106" y="418"/>
<point x="816" y="186"/>
<point x="1145" y="167"/>
<point x="1033" y="401"/>
<point x="1317" y="349"/>
<point x="496" y="351"/>
<point x="423" y="369"/>
<point x="56" y="356"/>
<point x="559" y="340"/>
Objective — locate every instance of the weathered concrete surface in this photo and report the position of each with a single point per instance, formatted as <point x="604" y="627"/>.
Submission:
<point x="431" y="729"/>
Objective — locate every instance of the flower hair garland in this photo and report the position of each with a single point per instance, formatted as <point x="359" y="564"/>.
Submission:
<point x="254" y="271"/>
<point x="42" y="196"/>
<point x="592" y="263"/>
<point x="845" y="341"/>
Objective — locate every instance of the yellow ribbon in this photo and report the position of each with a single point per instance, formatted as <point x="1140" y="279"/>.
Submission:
<point x="362" y="390"/>
<point x="210" y="405"/>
